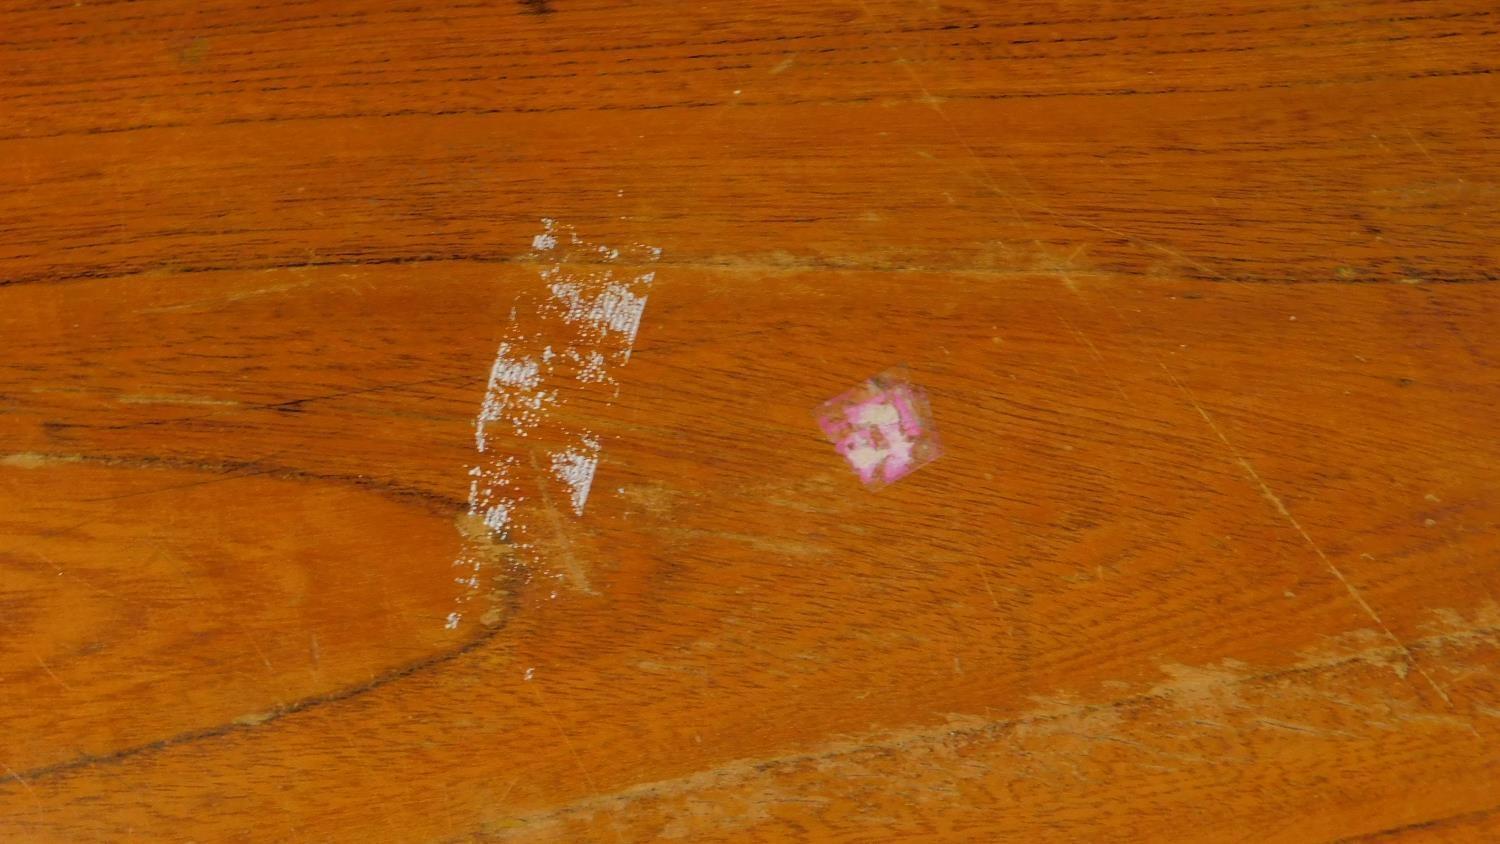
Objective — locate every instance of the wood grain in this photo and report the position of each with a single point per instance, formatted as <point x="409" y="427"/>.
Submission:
<point x="1203" y="300"/>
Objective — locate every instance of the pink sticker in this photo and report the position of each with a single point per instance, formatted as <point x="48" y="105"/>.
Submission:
<point x="883" y="428"/>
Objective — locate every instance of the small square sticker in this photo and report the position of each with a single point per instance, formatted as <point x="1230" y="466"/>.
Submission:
<point x="883" y="428"/>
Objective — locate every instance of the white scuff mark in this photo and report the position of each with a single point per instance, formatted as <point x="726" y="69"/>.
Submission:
<point x="546" y="241"/>
<point x="569" y="294"/>
<point x="524" y="373"/>
<point x="591" y="367"/>
<point x="589" y="318"/>
<point x="488" y="500"/>
<point x="575" y="467"/>
<point x="620" y="310"/>
<point x="512" y="395"/>
<point x="497" y="517"/>
<point x="614" y="308"/>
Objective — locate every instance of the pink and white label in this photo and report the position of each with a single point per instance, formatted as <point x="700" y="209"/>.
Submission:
<point x="883" y="428"/>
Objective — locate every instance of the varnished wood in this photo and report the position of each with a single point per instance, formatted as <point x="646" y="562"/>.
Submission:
<point x="1202" y="299"/>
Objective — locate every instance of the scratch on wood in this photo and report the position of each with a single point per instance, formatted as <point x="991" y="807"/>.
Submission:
<point x="1281" y="508"/>
<point x="48" y="669"/>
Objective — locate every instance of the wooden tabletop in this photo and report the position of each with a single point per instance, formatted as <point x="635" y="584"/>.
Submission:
<point x="565" y="420"/>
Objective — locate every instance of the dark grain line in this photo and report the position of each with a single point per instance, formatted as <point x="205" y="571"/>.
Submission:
<point x="810" y="264"/>
<point x="383" y="78"/>
<point x="514" y="580"/>
<point x="402" y="493"/>
<point x="214" y="89"/>
<point x="1423" y="826"/>
<point x="285" y="406"/>
<point x="790" y="103"/>
<point x="281" y="28"/>
<point x="763" y="53"/>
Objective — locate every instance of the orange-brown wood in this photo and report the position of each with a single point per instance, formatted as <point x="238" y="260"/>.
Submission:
<point x="1202" y="298"/>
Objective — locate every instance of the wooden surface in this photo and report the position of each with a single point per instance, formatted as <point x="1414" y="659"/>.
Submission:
<point x="1201" y="295"/>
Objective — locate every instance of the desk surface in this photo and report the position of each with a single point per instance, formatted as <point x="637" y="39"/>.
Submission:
<point x="409" y="421"/>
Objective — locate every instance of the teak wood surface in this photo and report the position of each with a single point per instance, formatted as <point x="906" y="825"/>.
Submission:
<point x="1202" y="295"/>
